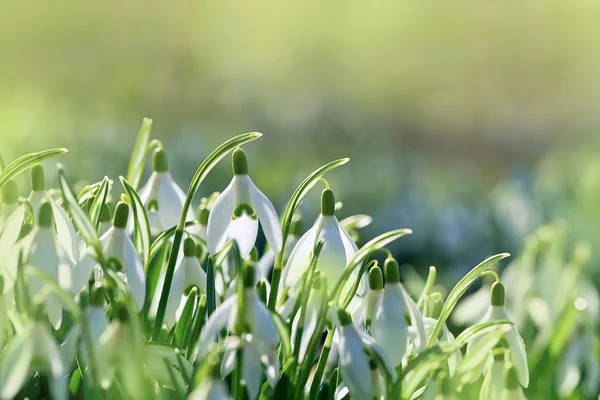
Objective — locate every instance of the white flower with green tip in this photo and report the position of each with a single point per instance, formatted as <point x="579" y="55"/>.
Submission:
<point x="237" y="211"/>
<point x="512" y="389"/>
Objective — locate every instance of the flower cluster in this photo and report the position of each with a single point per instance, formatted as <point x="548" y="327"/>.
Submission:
<point x="148" y="295"/>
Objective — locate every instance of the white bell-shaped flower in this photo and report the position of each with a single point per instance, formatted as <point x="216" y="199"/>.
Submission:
<point x="118" y="246"/>
<point x="188" y="273"/>
<point x="33" y="350"/>
<point x="493" y="381"/>
<point x="10" y="201"/>
<point x="237" y="211"/>
<point x="162" y="197"/>
<point x="45" y="253"/>
<point x="311" y="318"/>
<point x="338" y="247"/>
<point x="67" y="235"/>
<point x="516" y="345"/>
<point x="512" y="389"/>
<point x="373" y="296"/>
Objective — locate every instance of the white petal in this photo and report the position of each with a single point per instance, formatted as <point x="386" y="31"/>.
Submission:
<point x="194" y="274"/>
<point x="134" y="269"/>
<point x="389" y="326"/>
<point x="516" y="345"/>
<point x="67" y="235"/>
<point x="175" y="296"/>
<point x="267" y="216"/>
<point x="332" y="260"/>
<point x="252" y="371"/>
<point x="209" y="390"/>
<point x="300" y="258"/>
<point x="263" y="326"/>
<point x="244" y="231"/>
<point x="82" y="272"/>
<point x="217" y="321"/>
<point x="9" y="234"/>
<point x="54" y="310"/>
<point x="354" y="363"/>
<point x="493" y="382"/>
<point x="265" y="263"/>
<point x="170" y="202"/>
<point x="228" y="362"/>
<point x="219" y="220"/>
<point x="416" y="319"/>
<point x="97" y="320"/>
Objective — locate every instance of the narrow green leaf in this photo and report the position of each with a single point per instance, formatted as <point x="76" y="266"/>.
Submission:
<point x="80" y="218"/>
<point x="356" y="221"/>
<point x="155" y="266"/>
<point x="286" y="345"/>
<point x="22" y="163"/>
<point x="207" y="165"/>
<point x="460" y="289"/>
<point x="138" y="156"/>
<point x="185" y="320"/>
<point x="142" y="228"/>
<point x="428" y="285"/>
<point x="99" y="202"/>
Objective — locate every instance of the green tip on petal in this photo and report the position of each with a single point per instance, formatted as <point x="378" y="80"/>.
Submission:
<point x="249" y="277"/>
<point x="297" y="226"/>
<point x="254" y="254"/>
<point x="10" y="192"/>
<point x="45" y="216"/>
<point x="375" y="278"/>
<point x="159" y="161"/>
<point x="121" y="215"/>
<point x="199" y="251"/>
<point x="38" y="183"/>
<point x="327" y="202"/>
<point x="498" y="294"/>
<point x="261" y="289"/>
<point x="436" y="308"/>
<point x="189" y="247"/>
<point x="372" y="364"/>
<point x="344" y="317"/>
<point x="511" y="378"/>
<point x="239" y="162"/>
<point x="203" y="215"/>
<point x="98" y="294"/>
<point x="106" y="215"/>
<point x="392" y="271"/>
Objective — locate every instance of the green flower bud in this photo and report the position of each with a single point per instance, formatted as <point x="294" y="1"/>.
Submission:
<point x="189" y="247"/>
<point x="375" y="278"/>
<point x="38" y="183"/>
<point x="98" y="294"/>
<point x="10" y="192"/>
<point x="344" y="317"/>
<point x="497" y="295"/>
<point x="121" y="215"/>
<point x="239" y="162"/>
<point x="436" y="306"/>
<point x="327" y="202"/>
<point x="203" y="215"/>
<point x="392" y="271"/>
<point x="249" y="276"/>
<point x="45" y="215"/>
<point x="159" y="160"/>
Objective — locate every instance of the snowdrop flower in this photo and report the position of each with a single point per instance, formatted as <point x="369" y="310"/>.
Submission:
<point x="497" y="311"/>
<point x="67" y="235"/>
<point x="493" y="382"/>
<point x="162" y="197"/>
<point x="10" y="200"/>
<point x="358" y="372"/>
<point x="374" y="295"/>
<point x="45" y="253"/>
<point x="338" y="247"/>
<point x="33" y="350"/>
<point x="512" y="389"/>
<point x="389" y="326"/>
<point x="236" y="212"/>
<point x="118" y="247"/>
<point x="188" y="273"/>
<point x="258" y="346"/>
<point x="311" y="318"/>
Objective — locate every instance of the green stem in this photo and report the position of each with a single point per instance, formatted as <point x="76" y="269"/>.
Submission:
<point x="275" y="279"/>
<point x="314" y="389"/>
<point x="210" y="286"/>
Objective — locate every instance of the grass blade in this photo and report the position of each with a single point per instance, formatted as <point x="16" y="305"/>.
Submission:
<point x="142" y="228"/>
<point x="138" y="157"/>
<point x="22" y="163"/>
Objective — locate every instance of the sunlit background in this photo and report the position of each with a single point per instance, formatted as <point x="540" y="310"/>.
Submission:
<point x="472" y="124"/>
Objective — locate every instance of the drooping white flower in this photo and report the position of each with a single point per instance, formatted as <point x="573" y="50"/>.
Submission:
<point x="311" y="318"/>
<point x="493" y="382"/>
<point x="237" y="211"/>
<point x="337" y="251"/>
<point x="516" y="345"/>
<point x="10" y="200"/>
<point x="117" y="247"/>
<point x="512" y="389"/>
<point x="258" y="347"/>
<point x="188" y="273"/>
<point x="162" y="197"/>
<point x="374" y="295"/>
<point x="33" y="350"/>
<point x="44" y="252"/>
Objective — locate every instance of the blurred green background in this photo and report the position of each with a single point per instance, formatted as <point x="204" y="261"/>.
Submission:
<point x="470" y="123"/>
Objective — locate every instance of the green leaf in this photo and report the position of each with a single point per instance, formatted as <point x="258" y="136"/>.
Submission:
<point x="428" y="285"/>
<point x="142" y="228"/>
<point x="22" y="163"/>
<point x="153" y="272"/>
<point x="207" y="165"/>
<point x="356" y="221"/>
<point x="99" y="202"/>
<point x="288" y="215"/>
<point x="182" y="329"/>
<point x="80" y="218"/>
<point x="138" y="156"/>
<point x="168" y="234"/>
<point x="460" y="289"/>
<point x="286" y="345"/>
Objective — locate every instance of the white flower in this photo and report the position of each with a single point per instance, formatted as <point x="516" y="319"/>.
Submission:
<point x="497" y="311"/>
<point x="493" y="382"/>
<point x="188" y="273"/>
<point x="162" y="197"/>
<point x="356" y="368"/>
<point x="236" y="212"/>
<point x="311" y="318"/>
<point x="338" y="248"/>
<point x="118" y="247"/>
<point x="512" y="390"/>
<point x="33" y="350"/>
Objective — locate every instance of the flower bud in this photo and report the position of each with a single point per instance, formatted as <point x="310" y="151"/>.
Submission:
<point x="497" y="294"/>
<point x="249" y="276"/>
<point x="121" y="215"/>
<point x="98" y="294"/>
<point x="344" y="317"/>
<point x="392" y="271"/>
<point x="37" y="178"/>
<point x="327" y="202"/>
<point x="159" y="161"/>
<point x="203" y="215"/>
<point x="46" y="215"/>
<point x="375" y="278"/>
<point x="189" y="248"/>
<point x="239" y="162"/>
